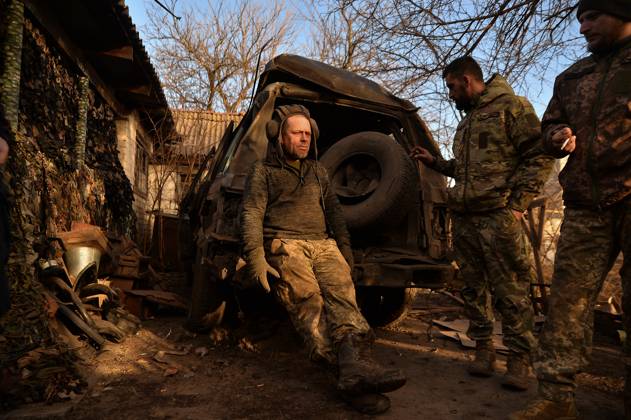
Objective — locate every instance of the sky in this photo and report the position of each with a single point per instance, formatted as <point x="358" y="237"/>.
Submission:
<point x="138" y="11"/>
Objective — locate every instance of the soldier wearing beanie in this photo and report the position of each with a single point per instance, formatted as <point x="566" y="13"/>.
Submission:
<point x="589" y="120"/>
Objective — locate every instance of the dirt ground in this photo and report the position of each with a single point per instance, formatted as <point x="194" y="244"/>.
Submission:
<point x="165" y="372"/>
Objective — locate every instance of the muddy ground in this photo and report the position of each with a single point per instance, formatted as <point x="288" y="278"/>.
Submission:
<point x="262" y="372"/>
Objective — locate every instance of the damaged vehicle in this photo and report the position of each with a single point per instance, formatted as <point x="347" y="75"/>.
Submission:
<point x="394" y="208"/>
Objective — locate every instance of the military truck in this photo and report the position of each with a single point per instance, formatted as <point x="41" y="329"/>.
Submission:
<point x="395" y="208"/>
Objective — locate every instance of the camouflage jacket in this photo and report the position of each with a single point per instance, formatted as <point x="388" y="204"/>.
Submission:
<point x="280" y="201"/>
<point x="593" y="98"/>
<point x="498" y="159"/>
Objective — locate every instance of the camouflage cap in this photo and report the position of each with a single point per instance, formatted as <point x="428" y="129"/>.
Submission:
<point x="618" y="8"/>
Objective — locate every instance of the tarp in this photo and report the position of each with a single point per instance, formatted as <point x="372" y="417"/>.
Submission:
<point x="340" y="81"/>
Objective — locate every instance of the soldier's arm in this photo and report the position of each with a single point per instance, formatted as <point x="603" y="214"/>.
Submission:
<point x="445" y="167"/>
<point x="255" y="197"/>
<point x="333" y="211"/>
<point x="553" y="121"/>
<point x="534" y="164"/>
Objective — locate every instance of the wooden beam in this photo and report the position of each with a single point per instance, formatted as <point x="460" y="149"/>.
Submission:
<point x="45" y="16"/>
<point x="126" y="53"/>
<point x="144" y="90"/>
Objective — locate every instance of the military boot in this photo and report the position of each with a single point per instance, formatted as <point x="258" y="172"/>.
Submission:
<point x="368" y="403"/>
<point x="484" y="363"/>
<point x="359" y="373"/>
<point x="542" y="409"/>
<point x="517" y="369"/>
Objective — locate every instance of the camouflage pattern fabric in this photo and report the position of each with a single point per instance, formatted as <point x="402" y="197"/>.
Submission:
<point x="589" y="243"/>
<point x="593" y="98"/>
<point x="317" y="290"/>
<point x="494" y="259"/>
<point x="498" y="160"/>
<point x="280" y="201"/>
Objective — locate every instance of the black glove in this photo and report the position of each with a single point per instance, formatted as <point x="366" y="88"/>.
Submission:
<point x="347" y="253"/>
<point x="259" y="268"/>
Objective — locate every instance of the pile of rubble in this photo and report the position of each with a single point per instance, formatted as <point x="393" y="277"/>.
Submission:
<point x="94" y="291"/>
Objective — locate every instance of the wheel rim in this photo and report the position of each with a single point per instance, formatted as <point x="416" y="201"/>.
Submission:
<point x="357" y="178"/>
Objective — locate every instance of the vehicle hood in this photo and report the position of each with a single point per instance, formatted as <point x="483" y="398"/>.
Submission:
<point x="294" y="68"/>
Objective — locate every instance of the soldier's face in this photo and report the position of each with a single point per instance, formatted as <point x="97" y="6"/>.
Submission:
<point x="4" y="151"/>
<point x="296" y="137"/>
<point x="601" y="31"/>
<point x="459" y="91"/>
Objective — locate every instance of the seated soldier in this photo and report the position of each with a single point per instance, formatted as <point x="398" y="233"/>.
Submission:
<point x="293" y="230"/>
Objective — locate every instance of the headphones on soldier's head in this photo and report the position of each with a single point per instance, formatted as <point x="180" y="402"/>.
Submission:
<point x="280" y="115"/>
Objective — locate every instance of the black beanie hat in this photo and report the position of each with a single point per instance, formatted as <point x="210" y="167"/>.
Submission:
<point x="618" y="8"/>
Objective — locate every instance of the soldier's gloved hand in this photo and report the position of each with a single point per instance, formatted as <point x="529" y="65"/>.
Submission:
<point x="259" y="268"/>
<point x="347" y="253"/>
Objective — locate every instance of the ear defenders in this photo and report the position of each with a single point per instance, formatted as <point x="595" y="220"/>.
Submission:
<point x="280" y="115"/>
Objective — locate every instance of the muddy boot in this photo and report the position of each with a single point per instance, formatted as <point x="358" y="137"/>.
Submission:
<point x="517" y="369"/>
<point x="368" y="403"/>
<point x="542" y="409"/>
<point x="484" y="363"/>
<point x="325" y="359"/>
<point x="359" y="373"/>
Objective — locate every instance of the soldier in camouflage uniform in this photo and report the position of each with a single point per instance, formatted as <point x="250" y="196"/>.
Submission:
<point x="293" y="229"/>
<point x="498" y="169"/>
<point x="589" y="118"/>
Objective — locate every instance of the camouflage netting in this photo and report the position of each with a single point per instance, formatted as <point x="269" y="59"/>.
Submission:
<point x="50" y="188"/>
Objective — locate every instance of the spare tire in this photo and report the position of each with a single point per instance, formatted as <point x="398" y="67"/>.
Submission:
<point x="374" y="179"/>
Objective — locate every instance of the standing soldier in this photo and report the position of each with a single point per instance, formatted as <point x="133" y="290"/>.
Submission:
<point x="498" y="170"/>
<point x="589" y="118"/>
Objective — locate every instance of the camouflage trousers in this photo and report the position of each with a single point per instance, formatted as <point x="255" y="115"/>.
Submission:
<point x="590" y="242"/>
<point x="317" y="291"/>
<point x="495" y="263"/>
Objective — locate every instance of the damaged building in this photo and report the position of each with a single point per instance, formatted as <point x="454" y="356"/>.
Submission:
<point x="86" y="107"/>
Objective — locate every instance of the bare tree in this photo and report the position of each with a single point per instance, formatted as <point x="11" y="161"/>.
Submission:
<point x="207" y="59"/>
<point x="339" y="36"/>
<point x="404" y="44"/>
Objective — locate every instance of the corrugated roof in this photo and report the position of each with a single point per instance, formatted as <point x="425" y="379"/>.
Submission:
<point x="103" y="32"/>
<point x="122" y="12"/>
<point x="201" y="130"/>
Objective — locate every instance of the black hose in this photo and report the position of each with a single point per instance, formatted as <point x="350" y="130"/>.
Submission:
<point x="75" y="299"/>
<point x="91" y="333"/>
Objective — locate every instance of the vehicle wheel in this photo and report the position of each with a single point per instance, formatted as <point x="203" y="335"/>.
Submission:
<point x="373" y="177"/>
<point x="385" y="306"/>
